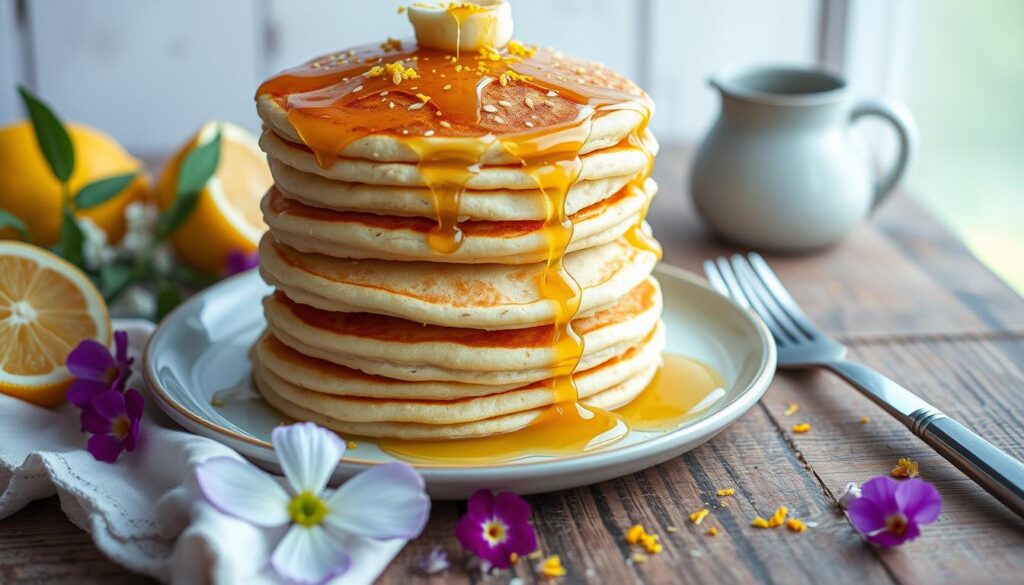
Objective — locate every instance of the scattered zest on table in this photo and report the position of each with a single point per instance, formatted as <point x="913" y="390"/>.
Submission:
<point x="387" y="501"/>
<point x="726" y="492"/>
<point x="792" y="409"/>
<point x="551" y="567"/>
<point x="496" y="527"/>
<point x="698" y="516"/>
<point x="637" y="534"/>
<point x="802" y="428"/>
<point x="889" y="512"/>
<point x="905" y="468"/>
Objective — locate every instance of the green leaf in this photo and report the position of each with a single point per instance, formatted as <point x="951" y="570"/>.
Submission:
<point x="71" y="238"/>
<point x="196" y="169"/>
<point x="51" y="135"/>
<point x="100" y="191"/>
<point x="114" y="279"/>
<point x="199" y="165"/>
<point x="167" y="298"/>
<point x="8" y="219"/>
<point x="175" y="215"/>
<point x="191" y="277"/>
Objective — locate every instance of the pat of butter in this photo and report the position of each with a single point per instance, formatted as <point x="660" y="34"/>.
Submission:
<point x="463" y="26"/>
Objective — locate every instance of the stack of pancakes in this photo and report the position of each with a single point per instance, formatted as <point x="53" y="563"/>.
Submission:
<point x="375" y="331"/>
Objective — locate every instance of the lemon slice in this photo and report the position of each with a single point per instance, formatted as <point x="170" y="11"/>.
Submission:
<point x="47" y="306"/>
<point x="227" y="216"/>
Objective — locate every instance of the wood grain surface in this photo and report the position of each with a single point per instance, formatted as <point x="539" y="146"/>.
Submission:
<point x="907" y="298"/>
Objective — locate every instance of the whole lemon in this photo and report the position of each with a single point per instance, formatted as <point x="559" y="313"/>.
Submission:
<point x="227" y="216"/>
<point x="30" y="192"/>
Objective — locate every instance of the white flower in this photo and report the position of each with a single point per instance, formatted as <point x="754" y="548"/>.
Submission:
<point x="384" y="502"/>
<point x="140" y="218"/>
<point x="850" y="493"/>
<point x="163" y="259"/>
<point x="135" y="300"/>
<point x="95" y="251"/>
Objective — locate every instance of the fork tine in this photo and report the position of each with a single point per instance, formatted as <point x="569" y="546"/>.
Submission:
<point x="715" y="277"/>
<point x="780" y="335"/>
<point x="781" y="294"/>
<point x="746" y="275"/>
<point x="731" y="283"/>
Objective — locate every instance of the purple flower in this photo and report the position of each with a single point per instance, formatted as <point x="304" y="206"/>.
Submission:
<point x="496" y="526"/>
<point x="97" y="370"/>
<point x="889" y="512"/>
<point x="113" y="419"/>
<point x="384" y="502"/>
<point x="238" y="262"/>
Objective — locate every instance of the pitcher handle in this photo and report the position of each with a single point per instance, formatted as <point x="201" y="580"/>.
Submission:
<point x="906" y="133"/>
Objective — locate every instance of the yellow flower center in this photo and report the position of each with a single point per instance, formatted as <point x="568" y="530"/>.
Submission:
<point x="495" y="532"/>
<point x="307" y="509"/>
<point x="121" y="427"/>
<point x="896" y="524"/>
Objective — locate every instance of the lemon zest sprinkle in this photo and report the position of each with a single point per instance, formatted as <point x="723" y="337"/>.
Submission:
<point x="905" y="467"/>
<point x="760" y="522"/>
<point x="399" y="72"/>
<point x="518" y="49"/>
<point x="726" y="492"/>
<point x="796" y="525"/>
<point x="712" y="531"/>
<point x="650" y="543"/>
<point x="552" y="567"/>
<point x="391" y="45"/>
<point x="792" y="409"/>
<point x="634" y="533"/>
<point x="698" y="516"/>
<point x="779" y="517"/>
<point x="352" y="445"/>
<point x="864" y="420"/>
<point x="802" y="428"/>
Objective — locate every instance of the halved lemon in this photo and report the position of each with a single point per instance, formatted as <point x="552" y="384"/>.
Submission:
<point x="47" y="306"/>
<point x="227" y="217"/>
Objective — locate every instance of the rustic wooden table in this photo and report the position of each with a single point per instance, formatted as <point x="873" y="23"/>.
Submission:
<point x="907" y="298"/>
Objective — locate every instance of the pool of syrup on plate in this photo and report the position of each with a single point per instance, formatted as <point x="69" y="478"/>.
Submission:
<point x="319" y="98"/>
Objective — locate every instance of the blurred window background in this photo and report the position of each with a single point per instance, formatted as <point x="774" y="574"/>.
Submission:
<point x="150" y="73"/>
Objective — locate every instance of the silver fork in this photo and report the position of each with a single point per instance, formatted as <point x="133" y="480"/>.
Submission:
<point x="753" y="284"/>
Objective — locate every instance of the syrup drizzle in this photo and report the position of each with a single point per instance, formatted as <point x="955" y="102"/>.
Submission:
<point x="323" y="100"/>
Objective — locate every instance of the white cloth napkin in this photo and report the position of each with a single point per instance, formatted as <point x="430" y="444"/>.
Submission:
<point x="145" y="512"/>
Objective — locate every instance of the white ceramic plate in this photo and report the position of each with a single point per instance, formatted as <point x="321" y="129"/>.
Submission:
<point x="200" y="350"/>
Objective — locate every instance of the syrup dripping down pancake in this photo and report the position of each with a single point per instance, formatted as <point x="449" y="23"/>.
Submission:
<point x="484" y="296"/>
<point x="620" y="159"/>
<point x="291" y="378"/>
<point x="607" y="400"/>
<point x="367" y="235"/>
<point x="404" y="201"/>
<point x="396" y="348"/>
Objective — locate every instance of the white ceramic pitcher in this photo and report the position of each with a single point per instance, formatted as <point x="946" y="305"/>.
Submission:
<point x="782" y="168"/>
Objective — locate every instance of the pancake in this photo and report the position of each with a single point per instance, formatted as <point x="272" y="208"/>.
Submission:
<point x="603" y="377"/>
<point x="366" y="235"/>
<point x="484" y="296"/>
<point x="341" y="80"/>
<point x="614" y="397"/>
<point x="396" y="348"/>
<point x="615" y="161"/>
<point x="495" y="205"/>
